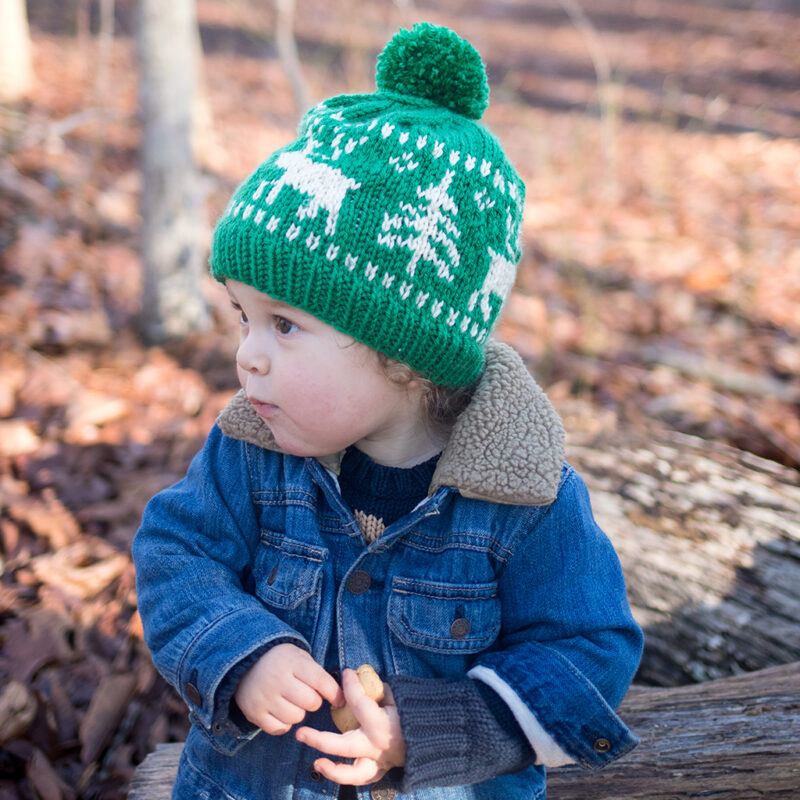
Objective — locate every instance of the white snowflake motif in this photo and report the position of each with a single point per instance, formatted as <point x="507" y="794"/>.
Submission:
<point x="429" y="228"/>
<point x="258" y="192"/>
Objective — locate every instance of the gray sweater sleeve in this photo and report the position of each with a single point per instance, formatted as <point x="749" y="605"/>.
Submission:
<point x="456" y="732"/>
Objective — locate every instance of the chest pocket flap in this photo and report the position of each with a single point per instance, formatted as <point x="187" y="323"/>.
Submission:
<point x="444" y="617"/>
<point x="289" y="574"/>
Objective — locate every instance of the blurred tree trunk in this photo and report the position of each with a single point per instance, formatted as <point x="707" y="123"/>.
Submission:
<point x="208" y="154"/>
<point x="172" y="253"/>
<point x="16" y="68"/>
<point x="287" y="50"/>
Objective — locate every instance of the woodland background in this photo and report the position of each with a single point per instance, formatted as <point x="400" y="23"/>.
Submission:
<point x="660" y="288"/>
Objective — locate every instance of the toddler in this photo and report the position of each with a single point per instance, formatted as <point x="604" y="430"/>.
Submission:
<point x="389" y="486"/>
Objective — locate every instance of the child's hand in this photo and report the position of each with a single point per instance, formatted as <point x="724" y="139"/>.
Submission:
<point x="376" y="746"/>
<point x="281" y="686"/>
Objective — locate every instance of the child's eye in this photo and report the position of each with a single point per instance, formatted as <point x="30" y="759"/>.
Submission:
<point x="243" y="316"/>
<point x="284" y="326"/>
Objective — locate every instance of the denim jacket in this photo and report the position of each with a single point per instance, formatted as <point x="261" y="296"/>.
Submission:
<point x="255" y="546"/>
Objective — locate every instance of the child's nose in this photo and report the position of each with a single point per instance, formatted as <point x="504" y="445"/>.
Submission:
<point x="252" y="359"/>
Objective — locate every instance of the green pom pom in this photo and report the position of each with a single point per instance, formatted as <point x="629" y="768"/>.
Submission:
<point x="435" y="63"/>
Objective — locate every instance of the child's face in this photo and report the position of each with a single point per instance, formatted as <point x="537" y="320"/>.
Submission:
<point x="317" y="389"/>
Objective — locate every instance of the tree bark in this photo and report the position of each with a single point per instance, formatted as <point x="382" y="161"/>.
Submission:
<point x="731" y="739"/>
<point x="709" y="539"/>
<point x="172" y="300"/>
<point x="16" y="65"/>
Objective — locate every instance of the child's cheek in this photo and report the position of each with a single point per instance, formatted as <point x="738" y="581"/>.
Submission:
<point x="241" y="374"/>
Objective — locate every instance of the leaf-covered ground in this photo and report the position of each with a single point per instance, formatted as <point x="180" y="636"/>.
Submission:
<point x="660" y="143"/>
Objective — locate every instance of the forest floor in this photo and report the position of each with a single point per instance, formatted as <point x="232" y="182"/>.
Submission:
<point x="660" y="286"/>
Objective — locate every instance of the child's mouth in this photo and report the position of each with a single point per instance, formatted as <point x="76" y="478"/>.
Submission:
<point x="263" y="409"/>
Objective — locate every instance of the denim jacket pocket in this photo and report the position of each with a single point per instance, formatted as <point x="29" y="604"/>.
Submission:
<point x="288" y="580"/>
<point x="439" y="627"/>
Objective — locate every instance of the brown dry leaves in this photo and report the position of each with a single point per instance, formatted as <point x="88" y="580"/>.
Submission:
<point x="661" y="281"/>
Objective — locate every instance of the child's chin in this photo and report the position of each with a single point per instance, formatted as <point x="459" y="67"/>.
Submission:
<point x="295" y="448"/>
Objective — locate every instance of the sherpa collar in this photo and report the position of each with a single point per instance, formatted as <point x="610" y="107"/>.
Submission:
<point x="507" y="446"/>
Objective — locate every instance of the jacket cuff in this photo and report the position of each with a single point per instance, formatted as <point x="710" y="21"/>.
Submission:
<point x="568" y="709"/>
<point x="227" y="716"/>
<point x="208" y="711"/>
<point x="456" y="733"/>
<point x="548" y="753"/>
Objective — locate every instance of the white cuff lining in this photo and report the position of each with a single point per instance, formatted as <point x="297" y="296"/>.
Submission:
<point x="548" y="753"/>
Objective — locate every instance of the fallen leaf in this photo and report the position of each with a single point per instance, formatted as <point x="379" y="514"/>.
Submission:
<point x="66" y="569"/>
<point x="17" y="438"/>
<point x="49" y="519"/>
<point x="66" y="718"/>
<point x="17" y="710"/>
<point x="106" y="711"/>
<point x="46" y="781"/>
<point x="33" y="639"/>
<point x="94" y="408"/>
<point x="53" y="327"/>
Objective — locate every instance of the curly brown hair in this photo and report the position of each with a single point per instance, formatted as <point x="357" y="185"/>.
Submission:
<point x="441" y="405"/>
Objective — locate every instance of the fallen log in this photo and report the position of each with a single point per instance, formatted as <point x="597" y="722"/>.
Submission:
<point x="730" y="739"/>
<point x="709" y="539"/>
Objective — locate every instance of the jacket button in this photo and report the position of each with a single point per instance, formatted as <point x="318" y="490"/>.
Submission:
<point x="382" y="791"/>
<point x="460" y="628"/>
<point x="272" y="575"/>
<point x="359" y="582"/>
<point x="601" y="746"/>
<point x="193" y="694"/>
<point x="314" y="775"/>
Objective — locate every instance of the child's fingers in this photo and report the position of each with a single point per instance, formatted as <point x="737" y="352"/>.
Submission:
<point x="285" y="711"/>
<point x="353" y="744"/>
<point x="363" y="770"/>
<point x="300" y="694"/>
<point x="366" y="710"/>
<point x="270" y="724"/>
<point x="388" y="697"/>
<point x="320" y="681"/>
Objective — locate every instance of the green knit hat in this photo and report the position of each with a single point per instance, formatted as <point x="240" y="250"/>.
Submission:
<point x="394" y="216"/>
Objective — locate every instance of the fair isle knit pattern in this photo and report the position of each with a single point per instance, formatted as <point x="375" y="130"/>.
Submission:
<point x="394" y="217"/>
<point x="379" y="495"/>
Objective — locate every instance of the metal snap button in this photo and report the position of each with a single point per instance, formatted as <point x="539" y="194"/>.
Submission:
<point x="382" y="791"/>
<point x="193" y="693"/>
<point x="314" y="775"/>
<point x="359" y="582"/>
<point x="460" y="628"/>
<point x="601" y="746"/>
<point x="273" y="575"/>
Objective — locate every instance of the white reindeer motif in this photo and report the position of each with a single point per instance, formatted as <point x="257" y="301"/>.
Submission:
<point x="325" y="186"/>
<point x="500" y="277"/>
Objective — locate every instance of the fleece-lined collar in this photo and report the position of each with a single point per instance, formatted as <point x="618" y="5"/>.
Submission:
<point x="507" y="446"/>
